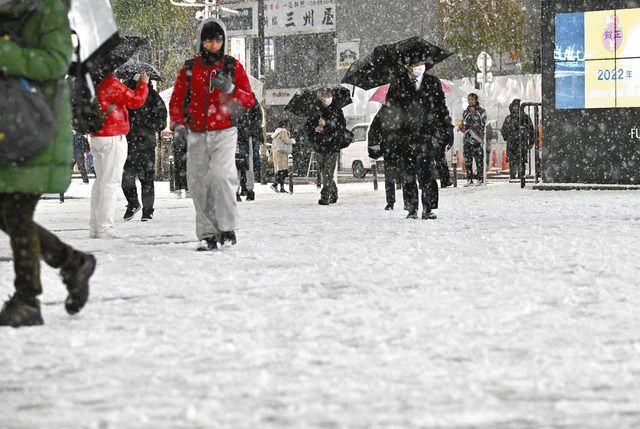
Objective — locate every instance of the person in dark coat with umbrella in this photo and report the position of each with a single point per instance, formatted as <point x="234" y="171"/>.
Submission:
<point x="145" y="122"/>
<point x="250" y="138"/>
<point x="326" y="130"/>
<point x="518" y="132"/>
<point x="384" y="137"/>
<point x="424" y="124"/>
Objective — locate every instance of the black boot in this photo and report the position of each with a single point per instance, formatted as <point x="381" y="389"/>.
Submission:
<point x="389" y="206"/>
<point x="276" y="181"/>
<point x="76" y="278"/>
<point x="19" y="312"/>
<point x="251" y="195"/>
<point x="228" y="237"/>
<point x="283" y="177"/>
<point x="209" y="243"/>
<point x="428" y="214"/>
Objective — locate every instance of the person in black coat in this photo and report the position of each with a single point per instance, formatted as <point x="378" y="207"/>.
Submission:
<point x="383" y="140"/>
<point x="250" y="138"/>
<point x="80" y="147"/>
<point x="423" y="127"/>
<point x="518" y="132"/>
<point x="325" y="130"/>
<point x="145" y="122"/>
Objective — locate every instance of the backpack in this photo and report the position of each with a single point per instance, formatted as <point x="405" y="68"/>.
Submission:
<point x="229" y="68"/>
<point x="27" y="121"/>
<point x="87" y="115"/>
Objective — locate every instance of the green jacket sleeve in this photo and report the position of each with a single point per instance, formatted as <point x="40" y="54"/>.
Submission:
<point x="48" y="50"/>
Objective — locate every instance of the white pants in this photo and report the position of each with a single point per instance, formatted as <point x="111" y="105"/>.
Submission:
<point x="212" y="178"/>
<point x="109" y="156"/>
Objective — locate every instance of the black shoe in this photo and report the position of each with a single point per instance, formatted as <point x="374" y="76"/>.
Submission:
<point x="389" y="206"/>
<point x="147" y="215"/>
<point x="251" y="195"/>
<point x="445" y="184"/>
<point x="333" y="200"/>
<point x="131" y="212"/>
<point x="282" y="190"/>
<point x="412" y="215"/>
<point x="76" y="278"/>
<point x="18" y="312"/>
<point x="238" y="199"/>
<point x="469" y="183"/>
<point x="209" y="243"/>
<point x="428" y="214"/>
<point x="228" y="237"/>
<point x="323" y="202"/>
<point x="274" y="187"/>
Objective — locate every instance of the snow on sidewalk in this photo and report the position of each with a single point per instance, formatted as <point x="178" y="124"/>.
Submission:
<point x="516" y="308"/>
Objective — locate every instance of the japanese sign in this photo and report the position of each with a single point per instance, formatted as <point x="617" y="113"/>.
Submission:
<point x="279" y="97"/>
<point x="347" y="54"/>
<point x="245" y="22"/>
<point x="285" y="17"/>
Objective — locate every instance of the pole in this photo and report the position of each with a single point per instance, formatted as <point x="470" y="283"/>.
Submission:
<point x="484" y="157"/>
<point x="484" y="72"/>
<point x="454" y="165"/>
<point x="261" y="54"/>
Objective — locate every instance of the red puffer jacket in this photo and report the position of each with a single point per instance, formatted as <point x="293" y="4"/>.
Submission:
<point x="219" y="104"/>
<point x="112" y="92"/>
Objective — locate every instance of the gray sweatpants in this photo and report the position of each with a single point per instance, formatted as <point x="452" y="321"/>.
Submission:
<point x="212" y="178"/>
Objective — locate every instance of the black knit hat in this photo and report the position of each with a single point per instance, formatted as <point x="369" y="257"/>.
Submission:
<point x="210" y="31"/>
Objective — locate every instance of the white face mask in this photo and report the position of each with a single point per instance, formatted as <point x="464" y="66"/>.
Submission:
<point x="418" y="70"/>
<point x="327" y="101"/>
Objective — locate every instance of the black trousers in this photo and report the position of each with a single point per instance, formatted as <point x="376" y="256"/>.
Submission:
<point x="78" y="158"/>
<point x="140" y="164"/>
<point x="516" y="168"/>
<point x="30" y="242"/>
<point x="326" y="166"/>
<point x="423" y="168"/>
<point x="180" y="164"/>
<point x="473" y="152"/>
<point x="443" y="167"/>
<point x="392" y="178"/>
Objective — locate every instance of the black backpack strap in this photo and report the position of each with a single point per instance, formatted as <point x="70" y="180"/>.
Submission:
<point x="188" y="71"/>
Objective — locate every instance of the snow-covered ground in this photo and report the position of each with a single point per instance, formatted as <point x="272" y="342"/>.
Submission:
<point x="516" y="308"/>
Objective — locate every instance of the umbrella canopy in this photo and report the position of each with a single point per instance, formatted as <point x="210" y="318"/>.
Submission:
<point x="94" y="24"/>
<point x="380" y="95"/>
<point x="133" y="67"/>
<point x="305" y="101"/>
<point x="386" y="62"/>
<point x="111" y="55"/>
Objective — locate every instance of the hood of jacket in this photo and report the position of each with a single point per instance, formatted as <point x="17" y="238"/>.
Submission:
<point x="18" y="7"/>
<point x="200" y="49"/>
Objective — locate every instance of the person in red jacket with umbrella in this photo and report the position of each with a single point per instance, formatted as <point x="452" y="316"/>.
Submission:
<point x="109" y="149"/>
<point x="207" y="91"/>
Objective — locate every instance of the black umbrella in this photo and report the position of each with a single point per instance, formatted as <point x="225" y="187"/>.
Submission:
<point x="383" y="65"/>
<point x="133" y="67"/>
<point x="305" y="101"/>
<point x="116" y="51"/>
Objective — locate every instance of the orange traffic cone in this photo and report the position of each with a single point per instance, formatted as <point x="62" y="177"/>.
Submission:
<point x="505" y="164"/>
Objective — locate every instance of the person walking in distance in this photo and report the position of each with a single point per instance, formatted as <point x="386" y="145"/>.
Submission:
<point x="212" y="85"/>
<point x="325" y="130"/>
<point x="35" y="44"/>
<point x="474" y="119"/>
<point x="282" y="146"/>
<point x="109" y="148"/>
<point x="146" y="123"/>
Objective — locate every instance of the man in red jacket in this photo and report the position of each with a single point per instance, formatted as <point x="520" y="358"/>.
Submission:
<point x="208" y="90"/>
<point x="109" y="149"/>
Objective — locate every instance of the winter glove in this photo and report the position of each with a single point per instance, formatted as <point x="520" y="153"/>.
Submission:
<point x="180" y="134"/>
<point x="223" y="83"/>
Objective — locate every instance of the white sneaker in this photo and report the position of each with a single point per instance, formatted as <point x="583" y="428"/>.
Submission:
<point x="108" y="234"/>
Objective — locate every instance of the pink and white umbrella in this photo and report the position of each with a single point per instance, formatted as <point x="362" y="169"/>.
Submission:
<point x="380" y="95"/>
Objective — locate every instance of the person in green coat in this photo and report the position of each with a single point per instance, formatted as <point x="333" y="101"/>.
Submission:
<point x="35" y="43"/>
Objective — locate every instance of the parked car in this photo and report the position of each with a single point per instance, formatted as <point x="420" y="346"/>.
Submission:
<point x="356" y="156"/>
